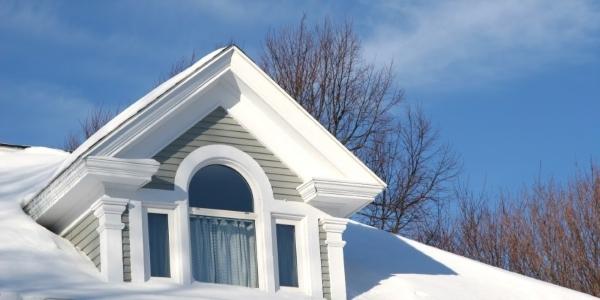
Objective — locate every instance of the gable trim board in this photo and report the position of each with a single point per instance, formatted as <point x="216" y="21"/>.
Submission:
<point x="306" y="147"/>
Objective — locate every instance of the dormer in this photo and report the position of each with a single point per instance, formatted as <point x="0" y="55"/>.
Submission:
<point x="217" y="177"/>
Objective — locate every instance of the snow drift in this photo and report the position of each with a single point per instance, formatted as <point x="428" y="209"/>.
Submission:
<point x="37" y="264"/>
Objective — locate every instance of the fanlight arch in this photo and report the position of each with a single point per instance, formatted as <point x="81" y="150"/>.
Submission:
<point x="218" y="186"/>
<point x="228" y="198"/>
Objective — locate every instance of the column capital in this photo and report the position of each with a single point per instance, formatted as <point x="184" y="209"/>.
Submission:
<point x="109" y="211"/>
<point x="333" y="225"/>
<point x="333" y="229"/>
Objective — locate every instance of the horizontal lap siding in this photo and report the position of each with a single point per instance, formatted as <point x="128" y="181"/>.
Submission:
<point x="219" y="128"/>
<point x="126" y="247"/>
<point x="324" y="264"/>
<point x="84" y="236"/>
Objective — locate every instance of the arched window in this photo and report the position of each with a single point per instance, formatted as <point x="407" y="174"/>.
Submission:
<point x="220" y="187"/>
<point x="222" y="227"/>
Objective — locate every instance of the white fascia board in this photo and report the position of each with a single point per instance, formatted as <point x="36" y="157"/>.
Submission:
<point x="90" y="178"/>
<point x="338" y="198"/>
<point x="251" y="76"/>
<point x="178" y="99"/>
<point x="98" y="141"/>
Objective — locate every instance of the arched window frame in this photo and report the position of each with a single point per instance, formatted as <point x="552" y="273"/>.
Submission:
<point x="262" y="195"/>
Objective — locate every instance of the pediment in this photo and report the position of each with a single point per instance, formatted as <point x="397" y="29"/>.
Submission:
<point x="226" y="86"/>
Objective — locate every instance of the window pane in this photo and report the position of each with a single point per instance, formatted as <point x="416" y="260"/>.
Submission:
<point x="158" y="232"/>
<point x="224" y="251"/>
<point x="220" y="187"/>
<point x="286" y="255"/>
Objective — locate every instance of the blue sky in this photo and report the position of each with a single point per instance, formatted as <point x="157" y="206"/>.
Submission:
<point x="514" y="86"/>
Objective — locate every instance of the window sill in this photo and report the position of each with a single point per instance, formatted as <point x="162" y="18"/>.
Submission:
<point x="161" y="281"/>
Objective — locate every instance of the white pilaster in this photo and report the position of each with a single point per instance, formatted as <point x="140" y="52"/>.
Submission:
<point x="136" y="241"/>
<point x="108" y="210"/>
<point x="183" y="245"/>
<point x="334" y="228"/>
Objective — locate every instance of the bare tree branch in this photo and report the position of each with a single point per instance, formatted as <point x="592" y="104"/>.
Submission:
<point x="95" y="119"/>
<point x="322" y="68"/>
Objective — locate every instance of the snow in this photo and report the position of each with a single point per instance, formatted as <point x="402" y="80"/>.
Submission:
<point x="380" y="265"/>
<point x="37" y="264"/>
<point x="129" y="112"/>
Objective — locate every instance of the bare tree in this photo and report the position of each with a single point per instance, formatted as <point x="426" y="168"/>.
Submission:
<point x="177" y="67"/>
<point x="417" y="168"/>
<point x="95" y="119"/>
<point x="548" y="231"/>
<point x="322" y="68"/>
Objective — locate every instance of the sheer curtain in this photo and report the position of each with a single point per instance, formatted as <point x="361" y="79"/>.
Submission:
<point x="224" y="251"/>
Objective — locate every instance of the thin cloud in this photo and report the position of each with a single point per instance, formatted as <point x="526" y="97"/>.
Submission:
<point x="454" y="42"/>
<point x="39" y="113"/>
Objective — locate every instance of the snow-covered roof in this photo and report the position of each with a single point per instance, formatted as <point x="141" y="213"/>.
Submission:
<point x="37" y="264"/>
<point x="128" y="113"/>
<point x="284" y="127"/>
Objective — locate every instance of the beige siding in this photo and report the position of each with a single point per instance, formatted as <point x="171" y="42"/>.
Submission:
<point x="84" y="236"/>
<point x="126" y="248"/>
<point x="324" y="264"/>
<point x="219" y="128"/>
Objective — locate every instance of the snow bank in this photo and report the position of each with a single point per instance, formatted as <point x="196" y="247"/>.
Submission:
<point x="380" y="265"/>
<point x="36" y="264"/>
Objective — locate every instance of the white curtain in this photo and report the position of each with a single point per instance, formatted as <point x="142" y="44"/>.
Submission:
<point x="224" y="251"/>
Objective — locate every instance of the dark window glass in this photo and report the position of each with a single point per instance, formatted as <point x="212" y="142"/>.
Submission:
<point x="158" y="232"/>
<point x="220" y="187"/>
<point x="286" y="255"/>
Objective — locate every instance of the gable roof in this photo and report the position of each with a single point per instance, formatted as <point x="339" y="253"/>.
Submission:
<point x="237" y="62"/>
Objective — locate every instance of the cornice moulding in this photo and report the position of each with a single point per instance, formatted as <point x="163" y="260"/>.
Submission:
<point x="338" y="198"/>
<point x="87" y="180"/>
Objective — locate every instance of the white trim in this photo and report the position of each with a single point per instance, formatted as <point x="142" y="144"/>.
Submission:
<point x="338" y="198"/>
<point x="75" y="222"/>
<point x="137" y="239"/>
<point x="92" y="178"/>
<point x="220" y="213"/>
<point x="262" y="195"/>
<point x="256" y="101"/>
<point x="302" y="259"/>
<point x="109" y="210"/>
<point x="173" y="266"/>
<point x="334" y="228"/>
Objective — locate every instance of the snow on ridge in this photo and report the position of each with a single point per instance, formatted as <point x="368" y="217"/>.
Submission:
<point x="133" y="109"/>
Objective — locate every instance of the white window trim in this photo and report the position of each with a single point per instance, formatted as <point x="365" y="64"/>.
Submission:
<point x="262" y="195"/>
<point x="221" y="213"/>
<point x="167" y="209"/>
<point x="302" y="260"/>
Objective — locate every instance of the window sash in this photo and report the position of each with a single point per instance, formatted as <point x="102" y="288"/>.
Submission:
<point x="224" y="250"/>
<point x="287" y="256"/>
<point x="219" y="213"/>
<point x="158" y="241"/>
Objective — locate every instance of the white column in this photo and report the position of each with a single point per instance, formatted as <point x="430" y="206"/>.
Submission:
<point x="183" y="260"/>
<point x="136" y="241"/>
<point x="334" y="228"/>
<point x="108" y="210"/>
